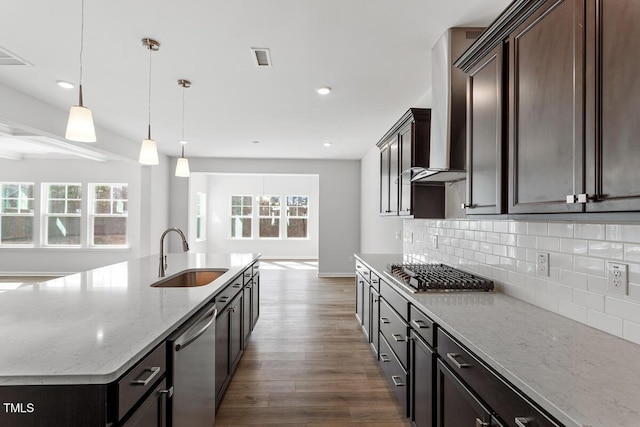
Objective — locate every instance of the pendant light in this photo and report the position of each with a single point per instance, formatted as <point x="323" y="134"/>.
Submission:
<point x="80" y="123"/>
<point x="149" y="150"/>
<point x="182" y="167"/>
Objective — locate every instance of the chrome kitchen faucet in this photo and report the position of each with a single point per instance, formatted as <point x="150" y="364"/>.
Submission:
<point x="163" y="257"/>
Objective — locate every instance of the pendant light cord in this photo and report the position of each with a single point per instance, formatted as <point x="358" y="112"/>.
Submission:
<point x="183" y="90"/>
<point x="81" y="39"/>
<point x="149" y="129"/>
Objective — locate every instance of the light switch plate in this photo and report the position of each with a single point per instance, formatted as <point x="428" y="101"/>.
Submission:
<point x="617" y="278"/>
<point x="542" y="264"/>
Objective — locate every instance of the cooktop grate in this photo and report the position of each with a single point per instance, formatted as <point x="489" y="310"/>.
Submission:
<point x="437" y="277"/>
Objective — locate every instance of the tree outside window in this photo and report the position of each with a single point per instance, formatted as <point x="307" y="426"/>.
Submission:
<point x="109" y="213"/>
<point x="16" y="213"/>
<point x="269" y="216"/>
<point x="297" y="216"/>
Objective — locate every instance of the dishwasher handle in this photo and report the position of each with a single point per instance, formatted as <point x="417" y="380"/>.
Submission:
<point x="208" y="318"/>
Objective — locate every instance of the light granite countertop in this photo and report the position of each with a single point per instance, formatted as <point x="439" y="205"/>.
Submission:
<point x="580" y="375"/>
<point x="89" y="328"/>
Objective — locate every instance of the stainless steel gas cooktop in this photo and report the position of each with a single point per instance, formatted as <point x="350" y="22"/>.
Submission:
<point x="437" y="277"/>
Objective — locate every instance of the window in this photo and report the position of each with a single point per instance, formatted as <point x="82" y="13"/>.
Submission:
<point x="108" y="214"/>
<point x="201" y="214"/>
<point x="297" y="216"/>
<point x="62" y="214"/>
<point x="241" y="214"/>
<point x="16" y="213"/>
<point x="269" y="216"/>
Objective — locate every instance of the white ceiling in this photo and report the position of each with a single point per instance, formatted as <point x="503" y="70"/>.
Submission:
<point x="373" y="53"/>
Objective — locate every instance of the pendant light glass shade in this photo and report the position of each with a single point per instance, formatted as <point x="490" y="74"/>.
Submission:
<point x="182" y="167"/>
<point x="80" y="123"/>
<point x="148" y="153"/>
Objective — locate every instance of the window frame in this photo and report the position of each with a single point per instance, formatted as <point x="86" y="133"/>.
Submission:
<point x="46" y="215"/>
<point x="287" y="217"/>
<point x="232" y="217"/>
<point x="278" y="217"/>
<point x="30" y="214"/>
<point x="92" y="215"/>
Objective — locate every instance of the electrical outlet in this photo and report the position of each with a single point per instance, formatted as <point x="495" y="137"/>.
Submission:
<point x="542" y="264"/>
<point x="434" y="242"/>
<point x="398" y="235"/>
<point x="617" y="278"/>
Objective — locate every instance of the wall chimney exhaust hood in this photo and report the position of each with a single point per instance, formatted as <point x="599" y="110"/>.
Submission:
<point x="447" y="158"/>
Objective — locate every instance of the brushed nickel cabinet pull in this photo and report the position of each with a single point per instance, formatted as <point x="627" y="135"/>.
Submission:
<point x="397" y="381"/>
<point x="399" y="338"/>
<point x="384" y="320"/>
<point x="452" y="357"/>
<point x="419" y="324"/>
<point x="155" y="370"/>
<point x="384" y="358"/>
<point x="522" y="421"/>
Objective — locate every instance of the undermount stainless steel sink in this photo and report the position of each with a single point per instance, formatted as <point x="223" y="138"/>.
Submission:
<point x="190" y="278"/>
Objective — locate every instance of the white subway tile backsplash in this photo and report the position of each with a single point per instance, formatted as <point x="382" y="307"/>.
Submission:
<point x="588" y="265"/>
<point x="506" y="251"/>
<point x="604" y="322"/>
<point x="602" y="249"/>
<point x="560" y="229"/>
<point x="573" y="311"/>
<point x="589" y="231"/>
<point x="624" y="309"/>
<point x="631" y="331"/>
<point x="538" y="228"/>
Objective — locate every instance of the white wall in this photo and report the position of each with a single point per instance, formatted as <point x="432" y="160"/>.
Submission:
<point x="223" y="186"/>
<point x="150" y="186"/>
<point x="379" y="234"/>
<point x="339" y="202"/>
<point x="68" y="260"/>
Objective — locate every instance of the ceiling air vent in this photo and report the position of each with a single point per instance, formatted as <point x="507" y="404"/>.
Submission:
<point x="261" y="57"/>
<point x="8" y="58"/>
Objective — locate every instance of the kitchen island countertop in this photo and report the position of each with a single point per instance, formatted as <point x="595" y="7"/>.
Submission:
<point x="90" y="327"/>
<point x="580" y="375"/>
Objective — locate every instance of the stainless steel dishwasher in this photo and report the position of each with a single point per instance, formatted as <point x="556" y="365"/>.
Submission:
<point x="193" y="376"/>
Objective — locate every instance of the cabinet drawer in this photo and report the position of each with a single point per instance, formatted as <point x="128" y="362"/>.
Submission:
<point x="140" y="379"/>
<point x="255" y="268"/>
<point x="247" y="275"/>
<point x="225" y="296"/>
<point x="395" y="299"/>
<point x="423" y="326"/>
<point x="508" y="403"/>
<point x="394" y="373"/>
<point x="395" y="331"/>
<point x="375" y="281"/>
<point x="363" y="270"/>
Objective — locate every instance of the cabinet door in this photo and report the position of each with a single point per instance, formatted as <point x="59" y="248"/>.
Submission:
<point x="406" y="161"/>
<point x="485" y="142"/>
<point x="457" y="406"/>
<point x="153" y="411"/>
<point x="366" y="312"/>
<point x="614" y="119"/>
<point x="246" y="313"/>
<point x="394" y="171"/>
<point x="235" y="331"/>
<point x="360" y="286"/>
<point x="384" y="180"/>
<point x="222" y="352"/>
<point x="546" y="141"/>
<point x="255" y="300"/>
<point x="422" y="400"/>
<point x="375" y="319"/>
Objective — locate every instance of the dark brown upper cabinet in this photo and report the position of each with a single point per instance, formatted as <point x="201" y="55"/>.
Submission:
<point x="570" y="119"/>
<point x="403" y="147"/>
<point x="486" y="90"/>
<point x="612" y="114"/>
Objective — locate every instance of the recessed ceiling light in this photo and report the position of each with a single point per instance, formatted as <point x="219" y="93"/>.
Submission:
<point x="327" y="144"/>
<point x="256" y="142"/>
<point x="324" y="90"/>
<point x="65" y="85"/>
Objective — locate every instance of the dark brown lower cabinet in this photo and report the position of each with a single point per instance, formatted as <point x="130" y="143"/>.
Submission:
<point x="394" y="372"/>
<point x="153" y="411"/>
<point x="422" y="399"/>
<point x="374" y="339"/>
<point x="255" y="300"/>
<point x="246" y="313"/>
<point x="235" y="339"/>
<point x="360" y="287"/>
<point x="228" y="343"/>
<point x="457" y="405"/>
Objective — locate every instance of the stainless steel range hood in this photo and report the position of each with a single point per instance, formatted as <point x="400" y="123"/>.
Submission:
<point x="447" y="158"/>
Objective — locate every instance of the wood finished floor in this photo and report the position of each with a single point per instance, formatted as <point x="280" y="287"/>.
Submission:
<point x="307" y="363"/>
